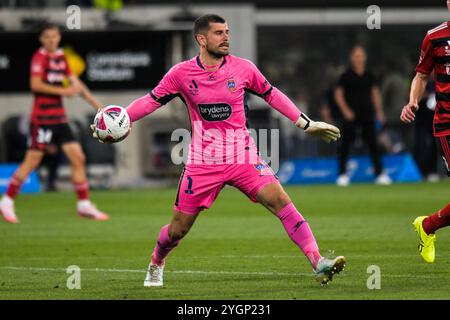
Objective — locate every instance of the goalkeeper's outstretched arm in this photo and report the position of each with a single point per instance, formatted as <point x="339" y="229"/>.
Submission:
<point x="284" y="105"/>
<point x="259" y="85"/>
<point x="142" y="106"/>
<point x="166" y="90"/>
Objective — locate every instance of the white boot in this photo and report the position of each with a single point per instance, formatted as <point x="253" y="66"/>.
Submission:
<point x="7" y="210"/>
<point x="87" y="209"/>
<point x="154" y="276"/>
<point x="343" y="180"/>
<point x="383" y="179"/>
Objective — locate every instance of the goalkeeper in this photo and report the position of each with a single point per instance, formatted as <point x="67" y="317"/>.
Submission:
<point x="214" y="86"/>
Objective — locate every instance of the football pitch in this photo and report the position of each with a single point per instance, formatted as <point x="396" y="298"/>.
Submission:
<point x="236" y="250"/>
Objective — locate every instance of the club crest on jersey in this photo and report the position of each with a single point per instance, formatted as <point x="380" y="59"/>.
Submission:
<point x="264" y="169"/>
<point x="231" y="85"/>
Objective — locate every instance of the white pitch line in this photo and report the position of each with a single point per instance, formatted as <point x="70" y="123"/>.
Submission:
<point x="169" y="271"/>
<point x="293" y="256"/>
<point x="207" y="272"/>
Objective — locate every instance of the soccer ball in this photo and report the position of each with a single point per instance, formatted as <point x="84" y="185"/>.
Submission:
<point x="112" y="124"/>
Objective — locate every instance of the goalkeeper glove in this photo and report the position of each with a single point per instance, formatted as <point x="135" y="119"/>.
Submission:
<point x="324" y="131"/>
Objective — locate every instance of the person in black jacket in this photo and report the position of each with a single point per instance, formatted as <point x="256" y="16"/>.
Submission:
<point x="358" y="97"/>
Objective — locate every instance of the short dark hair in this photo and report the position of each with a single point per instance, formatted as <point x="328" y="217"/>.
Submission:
<point x="47" y="26"/>
<point x="358" y="46"/>
<point x="201" y="24"/>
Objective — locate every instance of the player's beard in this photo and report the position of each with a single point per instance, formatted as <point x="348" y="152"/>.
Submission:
<point x="216" y="53"/>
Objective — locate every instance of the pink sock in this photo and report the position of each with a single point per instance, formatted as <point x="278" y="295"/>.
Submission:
<point x="299" y="231"/>
<point x="163" y="246"/>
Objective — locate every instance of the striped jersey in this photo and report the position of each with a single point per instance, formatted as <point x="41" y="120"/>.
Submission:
<point x="52" y="68"/>
<point x="435" y="56"/>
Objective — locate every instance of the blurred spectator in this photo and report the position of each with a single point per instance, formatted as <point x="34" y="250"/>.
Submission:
<point x="425" y="149"/>
<point x="359" y="100"/>
<point x="289" y="134"/>
<point x="394" y="93"/>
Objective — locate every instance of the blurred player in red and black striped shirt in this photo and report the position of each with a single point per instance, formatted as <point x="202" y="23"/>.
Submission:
<point x="435" y="56"/>
<point x="49" y="69"/>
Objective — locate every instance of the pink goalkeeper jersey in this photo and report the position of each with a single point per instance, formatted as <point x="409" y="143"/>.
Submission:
<point x="217" y="106"/>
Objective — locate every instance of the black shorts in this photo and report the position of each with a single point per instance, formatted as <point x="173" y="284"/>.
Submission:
<point x="43" y="135"/>
<point x="444" y="146"/>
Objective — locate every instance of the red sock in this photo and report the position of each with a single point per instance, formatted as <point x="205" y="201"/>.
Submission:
<point x="82" y="190"/>
<point x="14" y="187"/>
<point x="437" y="221"/>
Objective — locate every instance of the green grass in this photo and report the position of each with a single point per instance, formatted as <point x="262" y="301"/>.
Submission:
<point x="236" y="250"/>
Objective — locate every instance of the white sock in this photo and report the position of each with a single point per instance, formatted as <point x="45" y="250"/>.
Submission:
<point x="83" y="203"/>
<point x="7" y="200"/>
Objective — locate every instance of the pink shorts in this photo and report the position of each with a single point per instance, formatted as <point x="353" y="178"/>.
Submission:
<point x="200" y="184"/>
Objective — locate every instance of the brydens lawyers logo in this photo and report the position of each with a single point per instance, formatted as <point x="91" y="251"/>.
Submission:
<point x="231" y="85"/>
